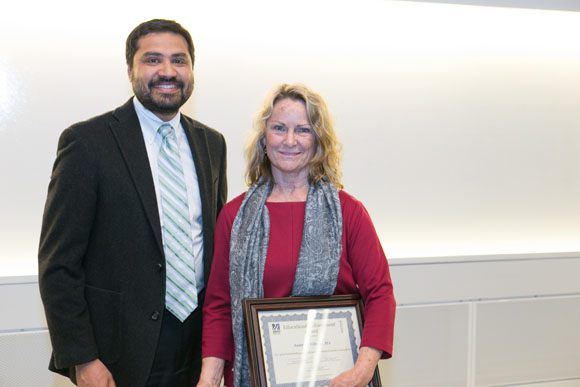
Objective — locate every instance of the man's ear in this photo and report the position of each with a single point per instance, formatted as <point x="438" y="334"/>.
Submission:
<point x="129" y="71"/>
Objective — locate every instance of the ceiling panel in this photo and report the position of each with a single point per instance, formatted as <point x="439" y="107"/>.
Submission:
<point x="559" y="5"/>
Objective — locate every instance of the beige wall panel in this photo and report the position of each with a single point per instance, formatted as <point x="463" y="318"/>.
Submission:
<point x="24" y="361"/>
<point x="475" y="278"/>
<point x="431" y="346"/>
<point x="522" y="341"/>
<point x="22" y="299"/>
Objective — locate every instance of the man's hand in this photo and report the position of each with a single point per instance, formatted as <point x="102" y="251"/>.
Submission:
<point x="94" y="374"/>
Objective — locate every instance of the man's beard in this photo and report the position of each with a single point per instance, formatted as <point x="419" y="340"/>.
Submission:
<point x="158" y="102"/>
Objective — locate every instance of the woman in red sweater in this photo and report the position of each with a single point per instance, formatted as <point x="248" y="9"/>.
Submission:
<point x="295" y="232"/>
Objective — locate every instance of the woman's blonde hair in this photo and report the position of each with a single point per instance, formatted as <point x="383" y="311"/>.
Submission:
<point x="325" y="164"/>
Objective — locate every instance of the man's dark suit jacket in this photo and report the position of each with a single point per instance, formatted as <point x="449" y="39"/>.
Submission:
<point x="101" y="262"/>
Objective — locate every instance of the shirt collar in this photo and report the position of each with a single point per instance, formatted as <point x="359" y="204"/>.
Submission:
<point x="150" y="123"/>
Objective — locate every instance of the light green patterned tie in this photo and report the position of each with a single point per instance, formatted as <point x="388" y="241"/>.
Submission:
<point x="181" y="292"/>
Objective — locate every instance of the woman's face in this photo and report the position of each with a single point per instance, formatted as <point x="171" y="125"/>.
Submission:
<point x="290" y="141"/>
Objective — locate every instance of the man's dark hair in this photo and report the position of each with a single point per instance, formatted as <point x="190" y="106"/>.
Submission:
<point x="155" y="25"/>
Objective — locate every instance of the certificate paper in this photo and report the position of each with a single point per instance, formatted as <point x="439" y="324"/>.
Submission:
<point x="308" y="347"/>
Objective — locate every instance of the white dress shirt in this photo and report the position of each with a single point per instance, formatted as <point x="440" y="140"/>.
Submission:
<point x="150" y="124"/>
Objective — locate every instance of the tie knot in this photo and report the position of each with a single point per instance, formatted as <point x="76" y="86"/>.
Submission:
<point x="165" y="130"/>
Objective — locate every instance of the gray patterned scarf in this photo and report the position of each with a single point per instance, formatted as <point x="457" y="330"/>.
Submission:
<point x="318" y="260"/>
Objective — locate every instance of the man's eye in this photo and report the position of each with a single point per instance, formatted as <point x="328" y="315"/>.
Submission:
<point x="180" y="61"/>
<point x="151" y="60"/>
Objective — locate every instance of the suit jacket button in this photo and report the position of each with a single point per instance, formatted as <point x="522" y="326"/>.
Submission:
<point x="160" y="267"/>
<point x="155" y="316"/>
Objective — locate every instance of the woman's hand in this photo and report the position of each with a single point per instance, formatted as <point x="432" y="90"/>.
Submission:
<point x="212" y="371"/>
<point x="362" y="372"/>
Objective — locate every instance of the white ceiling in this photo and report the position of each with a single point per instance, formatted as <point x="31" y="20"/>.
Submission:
<point x="560" y="5"/>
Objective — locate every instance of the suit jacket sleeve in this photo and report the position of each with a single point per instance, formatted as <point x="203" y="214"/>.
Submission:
<point x="223" y="179"/>
<point x="68" y="216"/>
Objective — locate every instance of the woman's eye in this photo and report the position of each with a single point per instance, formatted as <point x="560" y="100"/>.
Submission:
<point x="303" y="130"/>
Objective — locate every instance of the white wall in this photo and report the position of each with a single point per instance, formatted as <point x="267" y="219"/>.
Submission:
<point x="461" y="136"/>
<point x="460" y="125"/>
<point x="506" y="320"/>
<point x="477" y="321"/>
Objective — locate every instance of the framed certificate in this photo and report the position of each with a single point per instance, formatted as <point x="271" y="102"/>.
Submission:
<point x="303" y="340"/>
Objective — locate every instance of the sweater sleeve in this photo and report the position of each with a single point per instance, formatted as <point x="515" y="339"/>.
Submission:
<point x="217" y="336"/>
<point x="371" y="274"/>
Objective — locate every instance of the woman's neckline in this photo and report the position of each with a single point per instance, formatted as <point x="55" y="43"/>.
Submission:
<point x="287" y="202"/>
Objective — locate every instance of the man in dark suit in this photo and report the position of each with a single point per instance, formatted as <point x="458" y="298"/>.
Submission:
<point x="105" y="250"/>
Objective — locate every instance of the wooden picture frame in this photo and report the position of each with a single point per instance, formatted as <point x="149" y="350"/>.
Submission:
<point x="303" y="339"/>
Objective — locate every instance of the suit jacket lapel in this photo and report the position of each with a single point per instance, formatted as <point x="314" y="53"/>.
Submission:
<point x="199" y="150"/>
<point x="129" y="136"/>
